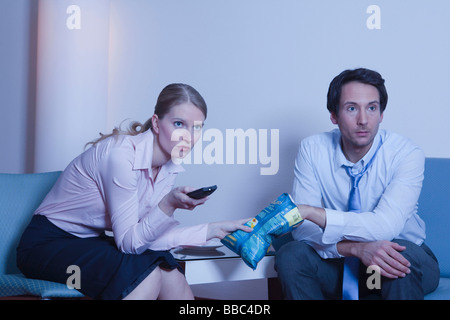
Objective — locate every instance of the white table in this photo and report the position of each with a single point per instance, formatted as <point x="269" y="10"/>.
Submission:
<point x="221" y="264"/>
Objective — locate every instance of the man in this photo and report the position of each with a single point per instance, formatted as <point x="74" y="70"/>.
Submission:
<point x="357" y="189"/>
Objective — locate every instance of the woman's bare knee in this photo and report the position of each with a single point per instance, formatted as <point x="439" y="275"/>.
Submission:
<point x="174" y="286"/>
<point x="149" y="288"/>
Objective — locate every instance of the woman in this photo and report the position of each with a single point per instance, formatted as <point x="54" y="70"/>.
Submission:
<point x="124" y="184"/>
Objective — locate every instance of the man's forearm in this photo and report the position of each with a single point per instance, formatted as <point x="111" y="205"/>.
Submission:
<point x="313" y="214"/>
<point x="319" y="217"/>
<point x="384" y="254"/>
<point x="347" y="248"/>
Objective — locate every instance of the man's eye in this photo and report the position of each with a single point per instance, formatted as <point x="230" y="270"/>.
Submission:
<point x="178" y="124"/>
<point x="351" y="108"/>
<point x="198" y="128"/>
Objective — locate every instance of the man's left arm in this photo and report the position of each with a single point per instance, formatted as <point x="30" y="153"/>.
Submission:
<point x="382" y="253"/>
<point x="388" y="218"/>
<point x="397" y="204"/>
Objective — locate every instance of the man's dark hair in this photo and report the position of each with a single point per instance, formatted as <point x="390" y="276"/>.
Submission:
<point x="362" y="75"/>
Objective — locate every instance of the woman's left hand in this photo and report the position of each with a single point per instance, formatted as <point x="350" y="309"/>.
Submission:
<point x="222" y="228"/>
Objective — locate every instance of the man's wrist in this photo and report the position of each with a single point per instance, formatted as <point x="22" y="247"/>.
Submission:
<point x="313" y="214"/>
<point x="348" y="248"/>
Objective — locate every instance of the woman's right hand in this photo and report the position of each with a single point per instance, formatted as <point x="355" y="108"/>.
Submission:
<point x="222" y="228"/>
<point x="177" y="198"/>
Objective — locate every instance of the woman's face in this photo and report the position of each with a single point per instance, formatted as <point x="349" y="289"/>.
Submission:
<point x="179" y="130"/>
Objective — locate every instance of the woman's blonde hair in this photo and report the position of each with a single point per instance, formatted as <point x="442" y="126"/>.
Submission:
<point x="172" y="95"/>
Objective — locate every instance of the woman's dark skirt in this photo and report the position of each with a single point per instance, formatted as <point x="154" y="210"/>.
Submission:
<point x="46" y="251"/>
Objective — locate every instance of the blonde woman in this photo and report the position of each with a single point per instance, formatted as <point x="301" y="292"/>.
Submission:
<point x="124" y="183"/>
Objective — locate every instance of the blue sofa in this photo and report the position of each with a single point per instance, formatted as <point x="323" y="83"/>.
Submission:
<point x="20" y="195"/>
<point x="434" y="209"/>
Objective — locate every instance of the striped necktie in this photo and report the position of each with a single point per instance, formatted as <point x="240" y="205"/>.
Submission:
<point x="351" y="264"/>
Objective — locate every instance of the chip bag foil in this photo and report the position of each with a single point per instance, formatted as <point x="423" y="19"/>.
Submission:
<point x="275" y="220"/>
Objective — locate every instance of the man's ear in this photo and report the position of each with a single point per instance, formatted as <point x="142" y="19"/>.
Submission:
<point x="155" y="124"/>
<point x="333" y="118"/>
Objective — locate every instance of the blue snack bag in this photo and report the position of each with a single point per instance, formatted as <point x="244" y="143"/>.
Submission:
<point x="278" y="218"/>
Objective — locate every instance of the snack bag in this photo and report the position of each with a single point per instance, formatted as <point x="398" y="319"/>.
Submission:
<point x="278" y="218"/>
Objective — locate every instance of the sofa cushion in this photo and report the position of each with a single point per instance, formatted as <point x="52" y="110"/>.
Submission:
<point x="434" y="209"/>
<point x="19" y="285"/>
<point x="442" y="292"/>
<point x="20" y="195"/>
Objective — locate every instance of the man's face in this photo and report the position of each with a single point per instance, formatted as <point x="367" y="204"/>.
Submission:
<point x="359" y="116"/>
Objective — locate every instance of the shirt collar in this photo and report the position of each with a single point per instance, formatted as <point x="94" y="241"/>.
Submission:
<point x="143" y="146"/>
<point x="339" y="157"/>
